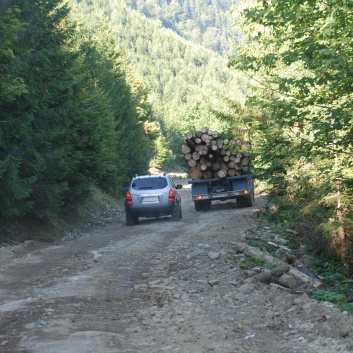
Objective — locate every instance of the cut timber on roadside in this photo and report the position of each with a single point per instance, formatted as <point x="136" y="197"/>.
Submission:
<point x="307" y="280"/>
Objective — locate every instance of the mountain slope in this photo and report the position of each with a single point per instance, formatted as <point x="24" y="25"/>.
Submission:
<point x="203" y="22"/>
<point x="186" y="80"/>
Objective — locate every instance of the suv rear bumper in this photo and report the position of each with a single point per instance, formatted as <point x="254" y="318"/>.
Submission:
<point x="155" y="211"/>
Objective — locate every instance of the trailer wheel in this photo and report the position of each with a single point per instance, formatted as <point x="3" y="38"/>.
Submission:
<point x="248" y="201"/>
<point x="207" y="205"/>
<point x="245" y="201"/>
<point x="240" y="202"/>
<point x="203" y="205"/>
<point x="198" y="205"/>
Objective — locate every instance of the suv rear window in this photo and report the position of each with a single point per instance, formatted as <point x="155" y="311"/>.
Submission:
<point x="149" y="183"/>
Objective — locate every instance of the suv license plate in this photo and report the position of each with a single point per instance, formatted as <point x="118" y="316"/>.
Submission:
<point x="150" y="199"/>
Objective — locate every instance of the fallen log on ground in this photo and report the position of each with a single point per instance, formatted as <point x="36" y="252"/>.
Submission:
<point x="287" y="281"/>
<point x="292" y="273"/>
<point x="277" y="275"/>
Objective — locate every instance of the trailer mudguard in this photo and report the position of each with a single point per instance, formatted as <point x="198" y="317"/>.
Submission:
<point x="240" y="184"/>
<point x="200" y="189"/>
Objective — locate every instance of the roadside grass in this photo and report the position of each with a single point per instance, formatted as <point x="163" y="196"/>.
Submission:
<point x="248" y="262"/>
<point x="255" y="261"/>
<point x="261" y="245"/>
<point x="338" y="278"/>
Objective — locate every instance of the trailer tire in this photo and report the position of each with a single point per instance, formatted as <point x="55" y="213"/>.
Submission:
<point x="198" y="206"/>
<point x="203" y="205"/>
<point x="248" y="201"/>
<point x="240" y="202"/>
<point x="207" y="205"/>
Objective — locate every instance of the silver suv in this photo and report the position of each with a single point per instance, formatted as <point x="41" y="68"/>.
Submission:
<point x="152" y="196"/>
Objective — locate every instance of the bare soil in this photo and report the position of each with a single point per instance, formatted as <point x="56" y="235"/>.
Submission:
<point x="159" y="286"/>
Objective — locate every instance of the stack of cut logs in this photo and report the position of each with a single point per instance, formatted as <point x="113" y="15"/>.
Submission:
<point x="208" y="155"/>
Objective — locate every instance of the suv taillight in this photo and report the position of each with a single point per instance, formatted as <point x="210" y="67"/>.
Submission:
<point x="128" y="198"/>
<point x="171" y="195"/>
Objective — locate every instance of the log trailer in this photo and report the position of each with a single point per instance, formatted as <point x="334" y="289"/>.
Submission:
<point x="205" y="191"/>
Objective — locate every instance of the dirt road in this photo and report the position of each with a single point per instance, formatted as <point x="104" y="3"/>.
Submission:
<point x="159" y="286"/>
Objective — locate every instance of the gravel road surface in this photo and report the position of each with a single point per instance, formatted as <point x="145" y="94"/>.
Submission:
<point x="159" y="286"/>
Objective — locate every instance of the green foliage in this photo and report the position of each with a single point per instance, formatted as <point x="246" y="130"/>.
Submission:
<point x="254" y="261"/>
<point x="207" y="23"/>
<point x="14" y="190"/>
<point x="300" y="101"/>
<point x="332" y="271"/>
<point x="127" y="113"/>
<point x="186" y="81"/>
<point x="71" y="115"/>
<point x="162" y="153"/>
<point x="333" y="297"/>
<point x="337" y="277"/>
<point x="11" y="85"/>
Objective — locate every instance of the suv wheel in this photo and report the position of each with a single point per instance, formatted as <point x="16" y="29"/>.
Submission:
<point x="176" y="215"/>
<point x="130" y="218"/>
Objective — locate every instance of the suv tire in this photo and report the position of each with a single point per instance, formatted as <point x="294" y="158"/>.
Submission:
<point x="176" y="215"/>
<point x="130" y="218"/>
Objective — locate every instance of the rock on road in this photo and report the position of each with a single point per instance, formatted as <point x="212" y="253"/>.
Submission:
<point x="159" y="286"/>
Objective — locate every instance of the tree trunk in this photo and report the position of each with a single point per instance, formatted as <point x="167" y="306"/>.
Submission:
<point x="187" y="156"/>
<point x="222" y="173"/>
<point x="215" y="166"/>
<point x="196" y="156"/>
<point x="196" y="173"/>
<point x="287" y="281"/>
<point x="207" y="174"/>
<point x="213" y="155"/>
<point x="192" y="163"/>
<point x="231" y="172"/>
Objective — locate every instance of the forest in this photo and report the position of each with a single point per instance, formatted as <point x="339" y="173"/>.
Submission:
<point x="89" y="101"/>
<point x="298" y="58"/>
<point x="206" y="23"/>
<point x="70" y="107"/>
<point x="84" y="79"/>
<point x="189" y="84"/>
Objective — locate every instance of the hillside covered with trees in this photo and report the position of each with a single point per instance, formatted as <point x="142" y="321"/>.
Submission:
<point x="207" y="23"/>
<point x="69" y="108"/>
<point x="79" y="86"/>
<point x="300" y="61"/>
<point x="188" y="83"/>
